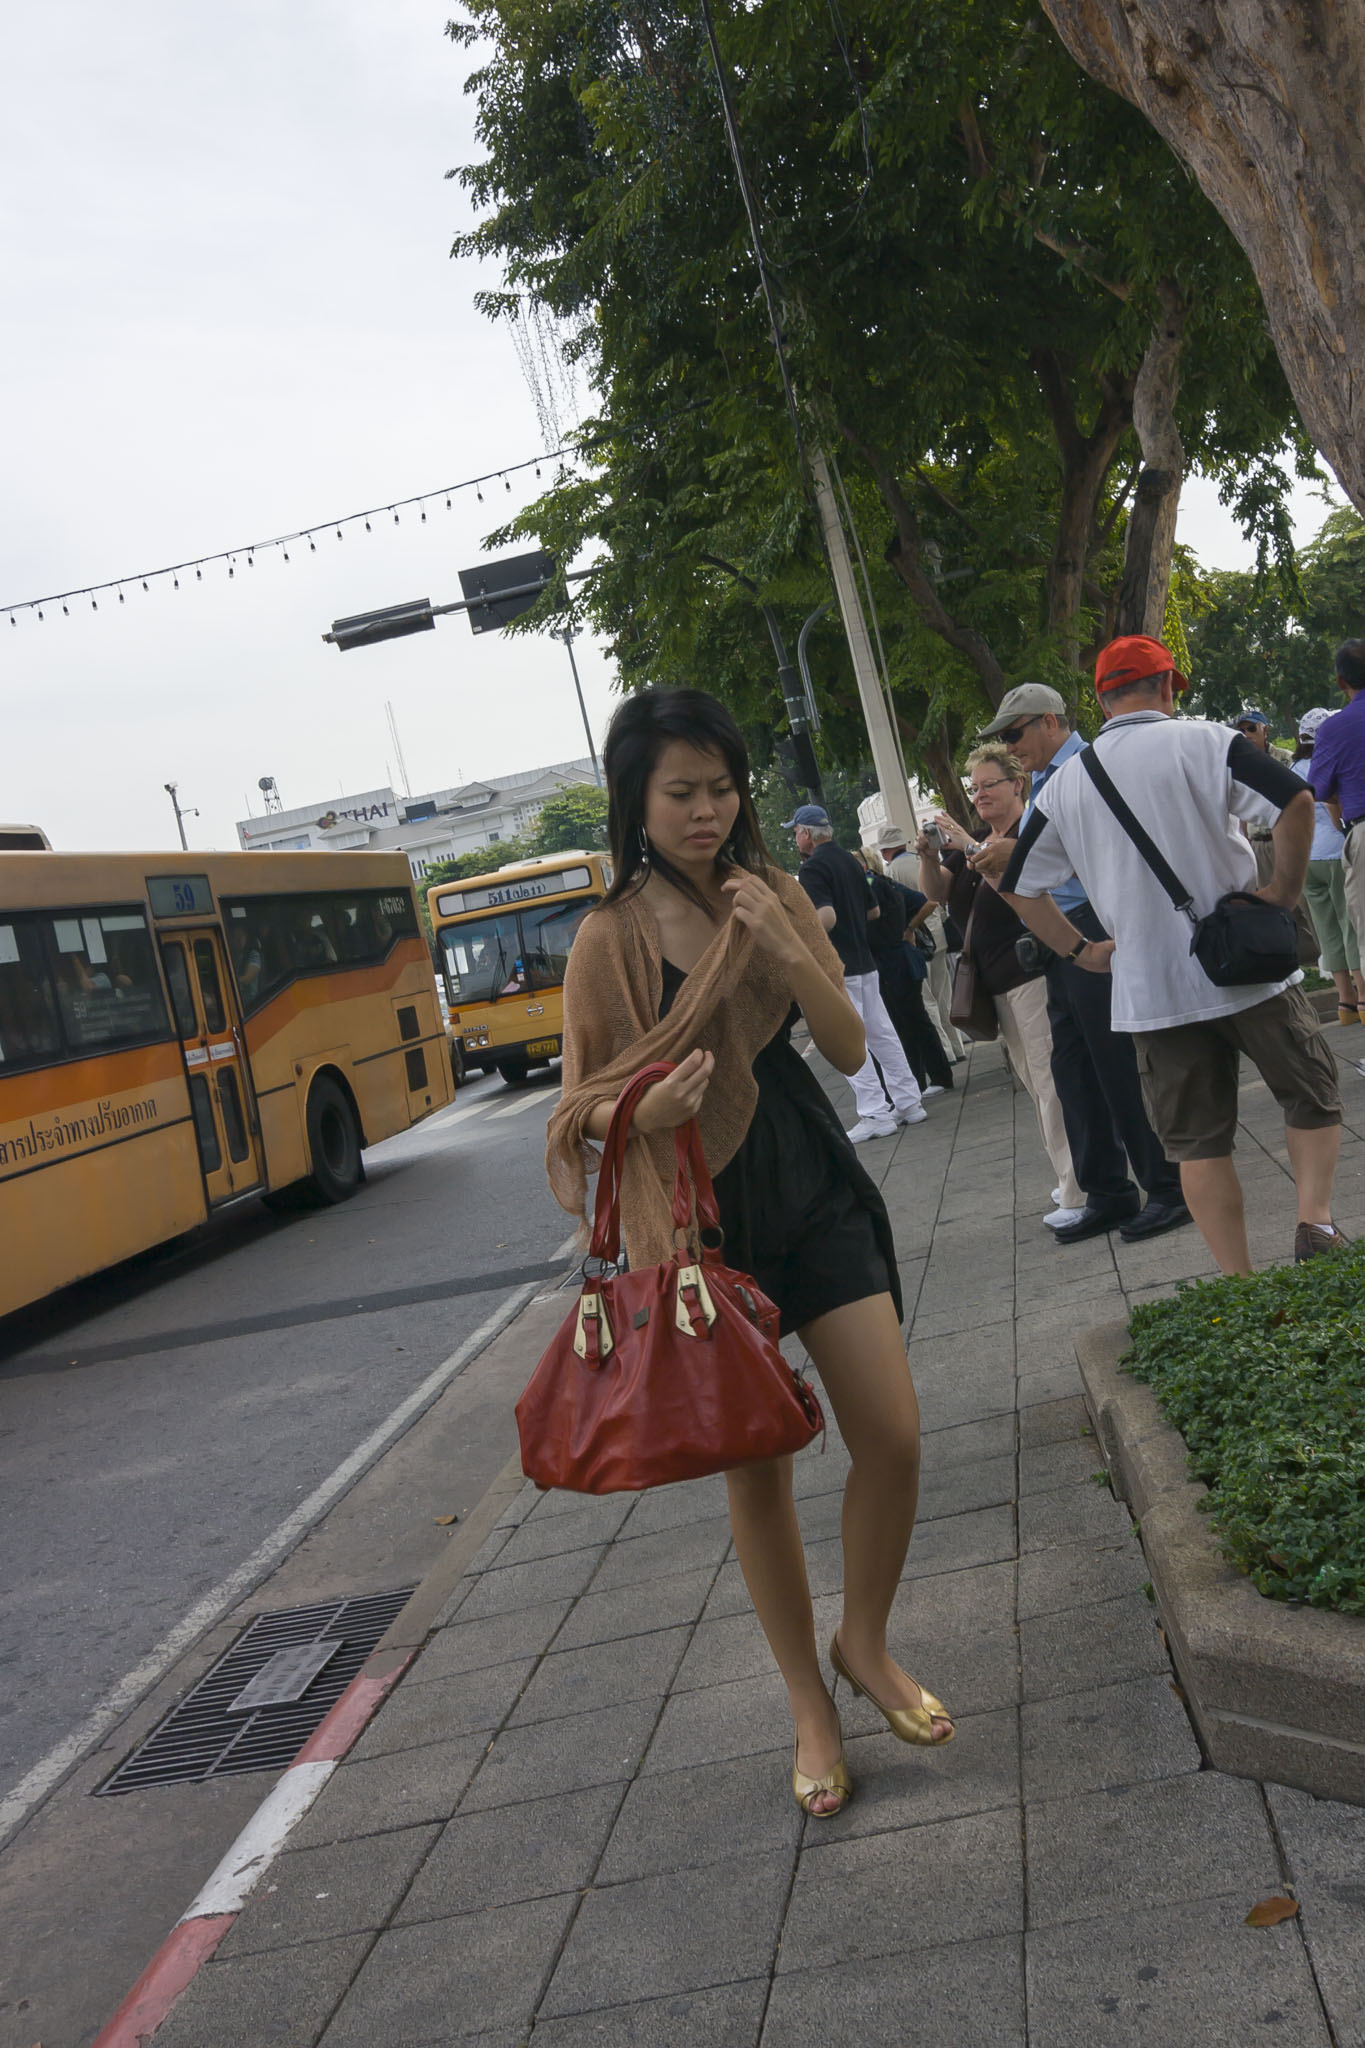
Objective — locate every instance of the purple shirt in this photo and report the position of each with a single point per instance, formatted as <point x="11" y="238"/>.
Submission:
<point x="1338" y="765"/>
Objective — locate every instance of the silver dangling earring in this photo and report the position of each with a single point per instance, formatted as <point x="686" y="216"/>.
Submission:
<point x="644" y="847"/>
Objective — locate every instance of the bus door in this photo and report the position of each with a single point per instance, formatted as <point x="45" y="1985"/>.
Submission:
<point x="215" y="1064"/>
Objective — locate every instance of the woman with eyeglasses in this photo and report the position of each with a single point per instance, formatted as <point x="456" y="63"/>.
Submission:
<point x="998" y="786"/>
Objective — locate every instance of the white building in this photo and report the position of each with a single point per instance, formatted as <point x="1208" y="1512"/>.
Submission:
<point x="425" y="828"/>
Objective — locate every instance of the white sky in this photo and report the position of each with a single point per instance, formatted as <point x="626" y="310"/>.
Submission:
<point x="229" y="311"/>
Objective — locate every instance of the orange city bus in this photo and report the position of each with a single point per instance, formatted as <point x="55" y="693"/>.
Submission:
<point x="182" y="1031"/>
<point x="504" y="941"/>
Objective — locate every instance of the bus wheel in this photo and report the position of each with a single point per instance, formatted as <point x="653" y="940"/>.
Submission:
<point x="514" y="1072"/>
<point x="459" y="1073"/>
<point x="333" y="1142"/>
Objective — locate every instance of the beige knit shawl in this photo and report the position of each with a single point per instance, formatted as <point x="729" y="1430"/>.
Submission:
<point x="731" y="1003"/>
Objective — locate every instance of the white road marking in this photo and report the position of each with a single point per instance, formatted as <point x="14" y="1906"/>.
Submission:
<point x="527" y="1102"/>
<point x="48" y="1773"/>
<point x="225" y="1891"/>
<point x="451" y="1117"/>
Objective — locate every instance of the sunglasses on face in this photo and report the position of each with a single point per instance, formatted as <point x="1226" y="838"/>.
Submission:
<point x="979" y="788"/>
<point x="1015" y="732"/>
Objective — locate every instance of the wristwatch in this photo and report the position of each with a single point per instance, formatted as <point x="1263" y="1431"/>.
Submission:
<point x="1078" y="949"/>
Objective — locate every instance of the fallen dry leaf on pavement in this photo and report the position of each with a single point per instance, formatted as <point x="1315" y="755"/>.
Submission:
<point x="1270" y="1912"/>
<point x="444" y="1521"/>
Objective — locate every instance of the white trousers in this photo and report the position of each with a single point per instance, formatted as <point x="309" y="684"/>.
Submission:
<point x="868" y="1092"/>
<point x="1028" y="1035"/>
<point x="1353" y="875"/>
<point x="939" y="1002"/>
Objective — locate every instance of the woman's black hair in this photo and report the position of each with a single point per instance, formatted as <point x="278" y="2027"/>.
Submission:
<point x="1303" y="748"/>
<point x="642" y="727"/>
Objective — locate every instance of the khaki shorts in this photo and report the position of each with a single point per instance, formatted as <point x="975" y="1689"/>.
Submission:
<point x="1189" y="1074"/>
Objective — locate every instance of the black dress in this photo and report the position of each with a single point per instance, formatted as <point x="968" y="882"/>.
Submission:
<point x="798" y="1211"/>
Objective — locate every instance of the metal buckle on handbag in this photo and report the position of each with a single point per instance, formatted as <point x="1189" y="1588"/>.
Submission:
<point x="592" y="1338"/>
<point x="695" y="1305"/>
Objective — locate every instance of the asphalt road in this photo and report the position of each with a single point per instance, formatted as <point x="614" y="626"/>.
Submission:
<point x="159" y="1423"/>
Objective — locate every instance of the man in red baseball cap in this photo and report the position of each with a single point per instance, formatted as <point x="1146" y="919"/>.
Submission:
<point x="1189" y="785"/>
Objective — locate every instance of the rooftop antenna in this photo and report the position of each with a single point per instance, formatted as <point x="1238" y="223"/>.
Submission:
<point x="398" y="748"/>
<point x="270" y="791"/>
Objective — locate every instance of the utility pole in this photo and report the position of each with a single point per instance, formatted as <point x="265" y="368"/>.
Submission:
<point x="886" y="754"/>
<point x="180" y="816"/>
<point x="567" y="637"/>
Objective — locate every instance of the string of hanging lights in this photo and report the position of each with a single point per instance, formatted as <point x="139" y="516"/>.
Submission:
<point x="234" y="558"/>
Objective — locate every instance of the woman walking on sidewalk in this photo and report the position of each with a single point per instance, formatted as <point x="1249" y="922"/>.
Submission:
<point x="702" y="952"/>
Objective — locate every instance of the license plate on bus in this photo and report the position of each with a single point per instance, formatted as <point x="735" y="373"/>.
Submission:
<point x="542" y="1048"/>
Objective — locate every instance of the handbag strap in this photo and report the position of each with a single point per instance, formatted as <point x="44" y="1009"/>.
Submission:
<point x="690" y="1171"/>
<point x="1151" y="853"/>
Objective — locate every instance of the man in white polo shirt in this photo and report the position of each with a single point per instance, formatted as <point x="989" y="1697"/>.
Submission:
<point x="1190" y="784"/>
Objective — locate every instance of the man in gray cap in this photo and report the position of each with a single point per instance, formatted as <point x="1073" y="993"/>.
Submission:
<point x="1094" y="1066"/>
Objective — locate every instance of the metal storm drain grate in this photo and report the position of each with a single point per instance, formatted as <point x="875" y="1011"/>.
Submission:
<point x="264" y="1697"/>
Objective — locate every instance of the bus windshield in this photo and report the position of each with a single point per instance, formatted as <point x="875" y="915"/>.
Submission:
<point x="512" y="951"/>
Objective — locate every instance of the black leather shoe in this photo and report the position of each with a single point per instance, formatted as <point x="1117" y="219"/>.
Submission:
<point x="1153" y="1220"/>
<point x="1095" y="1219"/>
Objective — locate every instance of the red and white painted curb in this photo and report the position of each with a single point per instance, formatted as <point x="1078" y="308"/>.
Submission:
<point x="202" y="1926"/>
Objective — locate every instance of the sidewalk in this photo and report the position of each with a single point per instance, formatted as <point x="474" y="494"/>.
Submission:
<point x="572" y="1822"/>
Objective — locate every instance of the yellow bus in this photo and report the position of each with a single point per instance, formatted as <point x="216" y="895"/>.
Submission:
<point x="180" y="1032"/>
<point x="504" y="940"/>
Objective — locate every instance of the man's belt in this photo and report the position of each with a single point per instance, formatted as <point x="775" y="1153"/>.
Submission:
<point x="1349" y="824"/>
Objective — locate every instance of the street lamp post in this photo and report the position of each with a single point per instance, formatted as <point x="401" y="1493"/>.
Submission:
<point x="180" y="816"/>
<point x="567" y="637"/>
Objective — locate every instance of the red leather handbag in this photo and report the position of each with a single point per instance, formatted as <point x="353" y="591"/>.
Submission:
<point x="665" y="1374"/>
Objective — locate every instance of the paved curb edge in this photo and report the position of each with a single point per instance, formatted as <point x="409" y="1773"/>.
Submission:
<point x="1276" y="1692"/>
<point x="196" y="1935"/>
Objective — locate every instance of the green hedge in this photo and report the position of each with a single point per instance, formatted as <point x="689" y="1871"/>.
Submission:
<point x="1265" y="1380"/>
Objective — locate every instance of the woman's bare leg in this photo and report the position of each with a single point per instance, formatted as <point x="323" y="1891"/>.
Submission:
<point x="860" y="1356"/>
<point x="773" y="1561"/>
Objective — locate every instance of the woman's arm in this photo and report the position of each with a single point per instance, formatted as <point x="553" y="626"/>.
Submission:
<point x="834" y="1024"/>
<point x="934" y="878"/>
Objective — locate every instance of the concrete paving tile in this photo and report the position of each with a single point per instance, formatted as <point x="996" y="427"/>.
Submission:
<point x="501" y="1639"/>
<point x="989" y="1483"/>
<point x="902" y="1891"/>
<point x="565" y="1755"/>
<point x="519" y="1507"/>
<point x="729" y="1594"/>
<point x="1194" y="1837"/>
<point x="463" y="1704"/>
<point x="1087" y="1646"/>
<point x="1112" y="1736"/>
<point x="697" y="1729"/>
<point x="1190" y="1973"/>
<point x="284" y="1998"/>
<point x="927" y="1611"/>
<point x="900" y="1785"/>
<point x="636" y="1610"/>
<point x="970" y="1995"/>
<point x="675" y="1820"/>
<point x="1053" y="1383"/>
<point x="509" y="1854"/>
<point x="1044" y="1468"/>
<point x="1324" y="1846"/>
<point x="1050" y="1422"/>
<point x="966" y="1443"/>
<point x="488" y="1552"/>
<point x="531" y="1585"/>
<point x="448" y="1980"/>
<point x="955" y="1543"/>
<point x="554" y="1535"/>
<point x="1072" y="1514"/>
<point x="386" y="1792"/>
<point x="693" y="1546"/>
<point x="971" y="1393"/>
<point x="602" y="1675"/>
<point x="667" y="1507"/>
<point x="731" y="1647"/>
<point x="821" y="1471"/>
<point x="314" y="1894"/>
<point x="1079" y="1575"/>
<point x="684" y="1931"/>
<point x="727" y="2017"/>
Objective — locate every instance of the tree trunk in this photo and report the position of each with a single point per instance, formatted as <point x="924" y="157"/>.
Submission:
<point x="1263" y="99"/>
<point x="1086" y="461"/>
<point x="1150" y="538"/>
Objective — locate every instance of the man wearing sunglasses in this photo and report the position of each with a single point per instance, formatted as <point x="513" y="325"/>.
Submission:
<point x="1094" y="1066"/>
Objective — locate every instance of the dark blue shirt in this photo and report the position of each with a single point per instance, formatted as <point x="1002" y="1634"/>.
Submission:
<point x="1337" y="768"/>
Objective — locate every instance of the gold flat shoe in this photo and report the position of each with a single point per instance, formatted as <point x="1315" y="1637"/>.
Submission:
<point x="911" y="1724"/>
<point x="805" y="1789"/>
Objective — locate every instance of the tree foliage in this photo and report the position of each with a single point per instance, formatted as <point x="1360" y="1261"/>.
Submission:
<point x="970" y="241"/>
<point x="575" y="817"/>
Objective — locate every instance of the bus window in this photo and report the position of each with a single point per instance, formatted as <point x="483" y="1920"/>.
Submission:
<point x="205" y="1129"/>
<point x="483" y="957"/>
<point x="275" y="939"/>
<point x="239" y="1145"/>
<point x="548" y="935"/>
<point x="108" y="989"/>
<point x="29" y="1025"/>
<point x="206" y="967"/>
<point x="182" y="996"/>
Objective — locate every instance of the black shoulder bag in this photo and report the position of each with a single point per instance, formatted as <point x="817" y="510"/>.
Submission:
<point x="1243" y="939"/>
